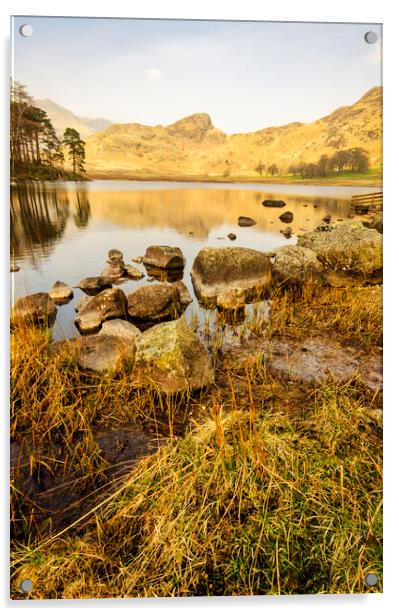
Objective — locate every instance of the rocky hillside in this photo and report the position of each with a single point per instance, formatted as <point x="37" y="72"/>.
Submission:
<point x="194" y="147"/>
<point x="62" y="118"/>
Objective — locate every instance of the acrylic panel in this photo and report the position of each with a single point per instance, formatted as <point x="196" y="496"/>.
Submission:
<point x="196" y="322"/>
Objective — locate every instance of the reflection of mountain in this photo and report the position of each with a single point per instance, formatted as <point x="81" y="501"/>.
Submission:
<point x="196" y="211"/>
<point x="39" y="215"/>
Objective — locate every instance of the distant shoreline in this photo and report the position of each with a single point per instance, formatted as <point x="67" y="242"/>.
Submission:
<point x="373" y="181"/>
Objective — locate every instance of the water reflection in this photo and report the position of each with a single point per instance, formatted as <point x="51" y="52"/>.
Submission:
<point x="38" y="218"/>
<point x="63" y="231"/>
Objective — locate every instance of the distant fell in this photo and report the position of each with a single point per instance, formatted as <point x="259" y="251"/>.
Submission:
<point x="63" y="118"/>
<point x="193" y="147"/>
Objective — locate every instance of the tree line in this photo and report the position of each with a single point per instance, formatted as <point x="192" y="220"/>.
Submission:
<point x="343" y="161"/>
<point x="36" y="151"/>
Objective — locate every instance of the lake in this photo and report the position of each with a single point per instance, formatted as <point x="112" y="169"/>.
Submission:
<point x="63" y="230"/>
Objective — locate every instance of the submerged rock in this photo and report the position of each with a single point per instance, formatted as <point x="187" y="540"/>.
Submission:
<point x="350" y="252"/>
<point x="104" y="353"/>
<point x="60" y="292"/>
<point x="133" y="272"/>
<point x="287" y="217"/>
<point x="246" y="221"/>
<point x="109" y="304"/>
<point x="121" y="329"/>
<point x="295" y="265"/>
<point x="232" y="236"/>
<point x="217" y="270"/>
<point x="94" y="285"/>
<point x="37" y="309"/>
<point x="171" y="357"/>
<point x="327" y="218"/>
<point x="115" y="271"/>
<point x="273" y="203"/>
<point x="153" y="303"/>
<point x="164" y="257"/>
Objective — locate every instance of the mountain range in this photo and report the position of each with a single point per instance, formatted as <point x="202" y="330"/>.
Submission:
<point x="194" y="148"/>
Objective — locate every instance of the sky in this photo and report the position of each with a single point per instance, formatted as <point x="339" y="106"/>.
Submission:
<point x="245" y="75"/>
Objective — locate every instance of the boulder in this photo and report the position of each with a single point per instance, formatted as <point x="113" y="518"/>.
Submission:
<point x="115" y="271"/>
<point x="103" y="353"/>
<point x="350" y="252"/>
<point x="164" y="257"/>
<point x="94" y="285"/>
<point x="171" y="357"/>
<point x="184" y="294"/>
<point x="82" y="302"/>
<point x="246" y="221"/>
<point x="133" y="272"/>
<point x="273" y="203"/>
<point x="295" y="265"/>
<point x="164" y="275"/>
<point x="37" y="309"/>
<point x="232" y="236"/>
<point x="60" y="292"/>
<point x="375" y="222"/>
<point x="230" y="299"/>
<point x="287" y="217"/>
<point x="109" y="304"/>
<point x="287" y="232"/>
<point x="121" y="329"/>
<point x="217" y="270"/>
<point x="153" y="303"/>
<point x="115" y="255"/>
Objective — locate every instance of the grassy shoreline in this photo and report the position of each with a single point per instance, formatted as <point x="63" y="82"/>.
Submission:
<point x="264" y="485"/>
<point x="372" y="178"/>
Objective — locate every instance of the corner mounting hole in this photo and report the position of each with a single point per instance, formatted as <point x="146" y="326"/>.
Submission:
<point x="26" y="30"/>
<point x="371" y="579"/>
<point x="371" y="37"/>
<point x="26" y="585"/>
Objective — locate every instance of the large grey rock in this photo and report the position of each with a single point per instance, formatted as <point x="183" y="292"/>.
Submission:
<point x="104" y="353"/>
<point x="109" y="304"/>
<point x="37" y="309"/>
<point x="121" y="329"/>
<point x="60" y="292"/>
<point x="217" y="270"/>
<point x="295" y="265"/>
<point x="165" y="257"/>
<point x="94" y="284"/>
<point x="171" y="357"/>
<point x="153" y="303"/>
<point x="351" y="253"/>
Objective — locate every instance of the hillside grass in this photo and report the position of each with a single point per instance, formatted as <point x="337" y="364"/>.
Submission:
<point x="263" y="487"/>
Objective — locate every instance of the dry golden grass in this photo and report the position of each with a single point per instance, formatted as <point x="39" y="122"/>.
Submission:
<point x="272" y="488"/>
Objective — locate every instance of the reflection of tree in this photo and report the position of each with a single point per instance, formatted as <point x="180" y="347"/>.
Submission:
<point x="39" y="214"/>
<point x="82" y="209"/>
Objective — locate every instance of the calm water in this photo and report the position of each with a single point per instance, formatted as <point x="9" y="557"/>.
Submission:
<point x="63" y="231"/>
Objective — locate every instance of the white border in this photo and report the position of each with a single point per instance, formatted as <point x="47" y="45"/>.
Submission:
<point x="366" y="11"/>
